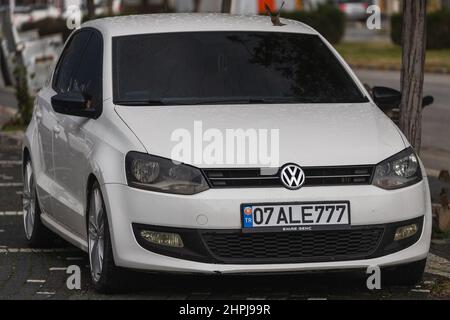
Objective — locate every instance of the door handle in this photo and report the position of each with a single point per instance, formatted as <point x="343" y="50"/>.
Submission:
<point x="38" y="115"/>
<point x="56" y="129"/>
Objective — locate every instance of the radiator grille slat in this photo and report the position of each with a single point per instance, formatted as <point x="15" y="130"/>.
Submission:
<point x="315" y="176"/>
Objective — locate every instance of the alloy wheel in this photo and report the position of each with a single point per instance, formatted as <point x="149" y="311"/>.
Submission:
<point x="29" y="201"/>
<point x="96" y="234"/>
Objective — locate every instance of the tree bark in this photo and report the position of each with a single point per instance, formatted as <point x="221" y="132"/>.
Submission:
<point x="412" y="77"/>
<point x="109" y="6"/>
<point x="197" y="4"/>
<point x="90" y="9"/>
<point x="226" y="6"/>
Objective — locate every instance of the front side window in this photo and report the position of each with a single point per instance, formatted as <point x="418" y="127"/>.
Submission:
<point x="69" y="61"/>
<point x="81" y="67"/>
<point x="228" y="67"/>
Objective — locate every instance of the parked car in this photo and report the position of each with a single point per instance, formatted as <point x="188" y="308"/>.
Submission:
<point x="355" y="10"/>
<point x="33" y="13"/>
<point x="347" y="192"/>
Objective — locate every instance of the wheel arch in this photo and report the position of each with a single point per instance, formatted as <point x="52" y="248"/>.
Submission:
<point x="26" y="155"/>
<point x="89" y="184"/>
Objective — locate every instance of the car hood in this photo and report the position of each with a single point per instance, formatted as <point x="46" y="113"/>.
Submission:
<point x="309" y="135"/>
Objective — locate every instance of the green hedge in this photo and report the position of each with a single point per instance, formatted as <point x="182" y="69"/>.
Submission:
<point x="438" y="29"/>
<point x="326" y="19"/>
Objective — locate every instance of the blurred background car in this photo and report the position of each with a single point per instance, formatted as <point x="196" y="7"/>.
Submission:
<point x="355" y="10"/>
<point x="34" y="12"/>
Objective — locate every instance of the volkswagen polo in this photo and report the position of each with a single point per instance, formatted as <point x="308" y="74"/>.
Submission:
<point x="109" y="162"/>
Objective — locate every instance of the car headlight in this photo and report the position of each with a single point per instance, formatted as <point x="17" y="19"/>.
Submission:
<point x="399" y="171"/>
<point x="153" y="173"/>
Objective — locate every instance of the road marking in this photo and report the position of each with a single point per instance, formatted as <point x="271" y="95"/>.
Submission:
<point x="11" y="184"/>
<point x="46" y="293"/>
<point x="10" y="163"/>
<point x="29" y="250"/>
<point x="433" y="173"/>
<point x="421" y="290"/>
<point x="11" y="213"/>
<point x="74" y="258"/>
<point x="57" y="269"/>
<point x="35" y="281"/>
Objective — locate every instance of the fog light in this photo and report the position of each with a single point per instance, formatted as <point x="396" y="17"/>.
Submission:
<point x="405" y="232"/>
<point x="162" y="238"/>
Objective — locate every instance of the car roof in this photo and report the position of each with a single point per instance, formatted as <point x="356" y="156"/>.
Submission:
<point x="187" y="22"/>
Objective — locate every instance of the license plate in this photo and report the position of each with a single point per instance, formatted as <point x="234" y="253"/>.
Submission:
<point x="298" y="216"/>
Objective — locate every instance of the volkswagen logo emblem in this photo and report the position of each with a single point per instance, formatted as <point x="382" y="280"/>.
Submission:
<point x="292" y="176"/>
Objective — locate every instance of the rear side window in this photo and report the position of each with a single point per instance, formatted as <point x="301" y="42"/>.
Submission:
<point x="228" y="67"/>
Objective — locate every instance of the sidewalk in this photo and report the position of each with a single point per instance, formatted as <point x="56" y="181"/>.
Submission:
<point x="8" y="105"/>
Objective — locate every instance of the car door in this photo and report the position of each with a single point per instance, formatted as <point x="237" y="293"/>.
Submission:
<point x="62" y="82"/>
<point x="72" y="144"/>
<point x="43" y="159"/>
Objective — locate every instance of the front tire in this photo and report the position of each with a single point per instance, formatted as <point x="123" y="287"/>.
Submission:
<point x="37" y="235"/>
<point x="105" y="275"/>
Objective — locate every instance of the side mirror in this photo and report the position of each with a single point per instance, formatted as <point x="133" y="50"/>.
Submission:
<point x="386" y="98"/>
<point x="74" y="104"/>
<point x="428" y="100"/>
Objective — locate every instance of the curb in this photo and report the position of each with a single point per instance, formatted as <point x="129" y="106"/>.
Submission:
<point x="6" y="114"/>
<point x="8" y="111"/>
<point x="442" y="71"/>
<point x="11" y="140"/>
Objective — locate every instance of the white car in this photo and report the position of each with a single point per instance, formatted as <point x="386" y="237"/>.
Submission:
<point x="346" y="191"/>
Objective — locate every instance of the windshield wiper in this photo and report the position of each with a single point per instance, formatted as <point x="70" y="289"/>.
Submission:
<point x="142" y="103"/>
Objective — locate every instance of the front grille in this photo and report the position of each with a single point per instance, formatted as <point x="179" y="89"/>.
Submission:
<point x="316" y="246"/>
<point x="236" y="247"/>
<point x="315" y="176"/>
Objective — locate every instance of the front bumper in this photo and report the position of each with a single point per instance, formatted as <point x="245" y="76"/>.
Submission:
<point x="216" y="210"/>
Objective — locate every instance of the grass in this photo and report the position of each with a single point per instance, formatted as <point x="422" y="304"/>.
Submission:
<point x="389" y="56"/>
<point x="441" y="235"/>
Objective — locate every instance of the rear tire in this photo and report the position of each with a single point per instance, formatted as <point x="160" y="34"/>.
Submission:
<point x="36" y="234"/>
<point x="105" y="275"/>
<point x="405" y="275"/>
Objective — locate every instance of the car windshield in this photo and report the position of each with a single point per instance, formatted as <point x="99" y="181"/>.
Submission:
<point x="228" y="68"/>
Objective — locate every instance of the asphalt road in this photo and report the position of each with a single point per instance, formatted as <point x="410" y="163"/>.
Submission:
<point x="436" y="118"/>
<point x="41" y="274"/>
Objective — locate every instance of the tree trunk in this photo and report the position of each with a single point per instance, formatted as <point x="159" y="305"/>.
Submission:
<point x="197" y="4"/>
<point x="165" y="6"/>
<point x="226" y="6"/>
<point x="414" y="48"/>
<point x="90" y="9"/>
<point x="144" y="6"/>
<point x="109" y="5"/>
